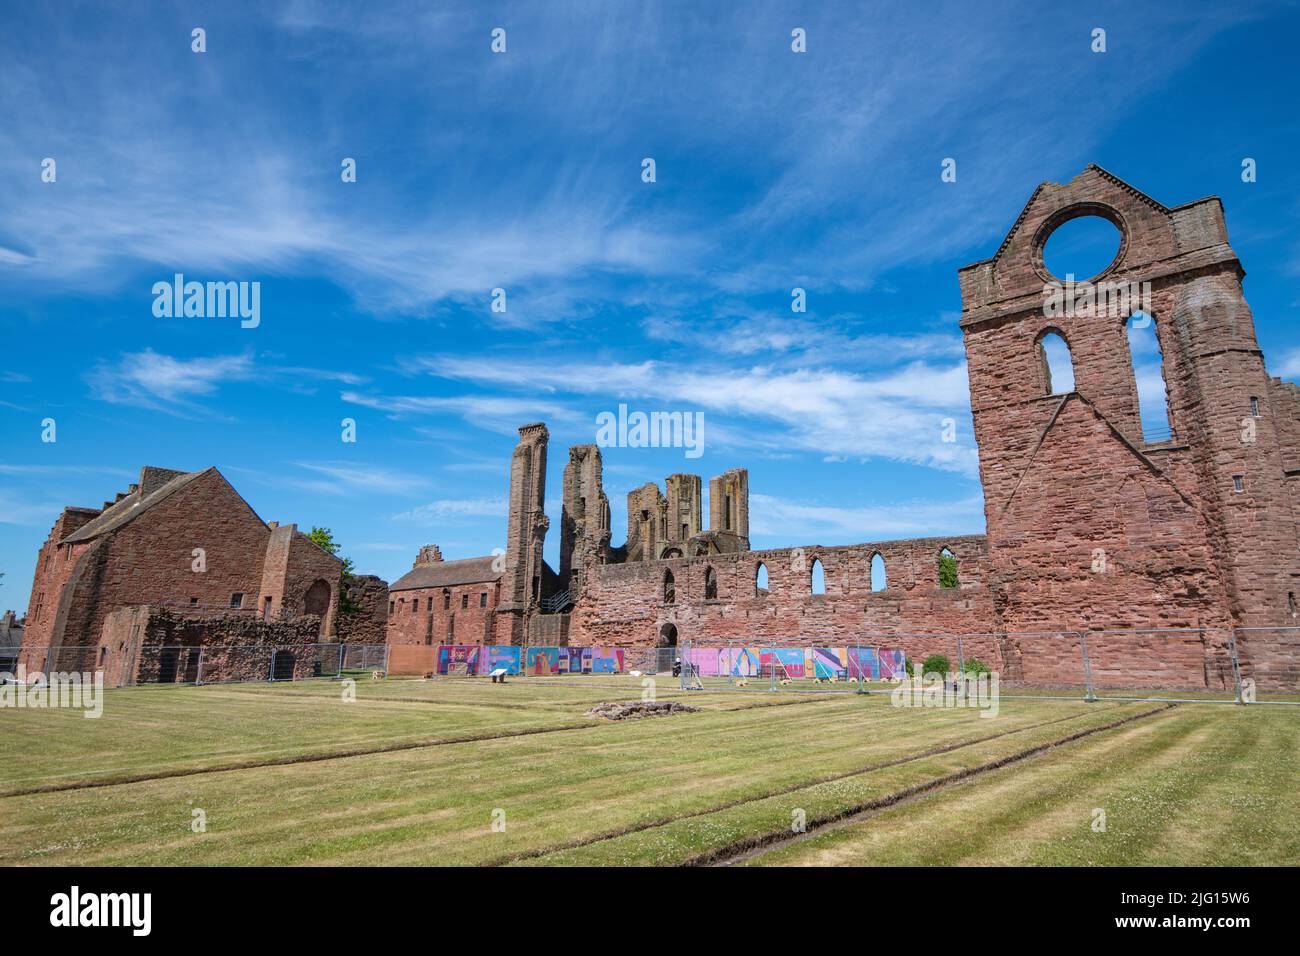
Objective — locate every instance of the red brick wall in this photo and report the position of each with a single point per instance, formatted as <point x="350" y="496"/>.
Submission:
<point x="623" y="605"/>
<point x="418" y="616"/>
<point x="55" y="567"/>
<point x="1183" y="547"/>
<point x="149" y="560"/>
<point x="1092" y="537"/>
<point x="293" y="564"/>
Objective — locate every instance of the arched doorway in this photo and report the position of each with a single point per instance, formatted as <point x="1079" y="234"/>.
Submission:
<point x="317" y="600"/>
<point x="282" y="665"/>
<point x="169" y="659"/>
<point x="668" y="635"/>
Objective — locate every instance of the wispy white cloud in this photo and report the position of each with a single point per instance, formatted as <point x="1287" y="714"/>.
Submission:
<point x="32" y="511"/>
<point x="896" y="415"/>
<point x="338" y="478"/>
<point x="180" y="386"/>
<point x="452" y="510"/>
<point x="809" y="523"/>
<point x="848" y="143"/>
<point x="42" y="470"/>
<point x="503" y="414"/>
<point x="160" y="382"/>
<point x="1288" y="364"/>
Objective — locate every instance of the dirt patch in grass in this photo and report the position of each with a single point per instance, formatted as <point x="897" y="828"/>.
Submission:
<point x="633" y="709"/>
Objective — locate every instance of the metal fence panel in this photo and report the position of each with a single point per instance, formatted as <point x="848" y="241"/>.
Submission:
<point x="1254" y="665"/>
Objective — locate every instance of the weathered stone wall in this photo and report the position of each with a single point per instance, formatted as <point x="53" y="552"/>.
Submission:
<point x="1197" y="530"/>
<point x="457" y="614"/>
<point x="150" y="559"/>
<point x="149" y="644"/>
<point x="56" y="567"/>
<point x="624" y="604"/>
<point x="549" y="630"/>
<point x="299" y="577"/>
<point x="368" y="622"/>
<point x="682" y="507"/>
<point x="647" y="514"/>
<point x="1093" y="537"/>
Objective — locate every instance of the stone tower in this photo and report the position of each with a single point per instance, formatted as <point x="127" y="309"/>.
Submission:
<point x="729" y="504"/>
<point x="584" y="521"/>
<point x="646" y="516"/>
<point x="1089" y="523"/>
<point x="682" y="514"/>
<point x="524" y="577"/>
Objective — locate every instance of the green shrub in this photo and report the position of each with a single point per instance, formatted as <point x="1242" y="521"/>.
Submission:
<point x="976" y="667"/>
<point x="935" y="664"/>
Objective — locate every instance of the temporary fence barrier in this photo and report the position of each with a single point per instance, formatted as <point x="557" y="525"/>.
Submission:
<point x="1250" y="665"/>
<point x="205" y="664"/>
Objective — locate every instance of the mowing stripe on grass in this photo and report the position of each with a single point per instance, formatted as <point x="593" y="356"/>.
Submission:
<point x="286" y="761"/>
<point x="423" y="743"/>
<point x="763" y="843"/>
<point x="780" y="791"/>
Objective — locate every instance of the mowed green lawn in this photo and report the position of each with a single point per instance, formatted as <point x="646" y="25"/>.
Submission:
<point x="416" y="772"/>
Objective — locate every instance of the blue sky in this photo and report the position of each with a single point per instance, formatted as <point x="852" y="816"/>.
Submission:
<point x="522" y="171"/>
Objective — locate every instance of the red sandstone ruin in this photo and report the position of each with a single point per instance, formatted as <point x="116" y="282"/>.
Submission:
<point x="1092" y="528"/>
<point x="1195" y="531"/>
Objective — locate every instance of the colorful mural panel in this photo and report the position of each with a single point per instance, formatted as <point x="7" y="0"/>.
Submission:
<point x="787" y="661"/>
<point x="606" y="660"/>
<point x="542" y="661"/>
<point x="745" y="662"/>
<point x="892" y="662"/>
<point x="495" y="657"/>
<point x="864" y="663"/>
<point x="827" y="662"/>
<point x="458" y="659"/>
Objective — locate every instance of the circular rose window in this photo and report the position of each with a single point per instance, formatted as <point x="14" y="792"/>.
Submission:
<point x="1082" y="248"/>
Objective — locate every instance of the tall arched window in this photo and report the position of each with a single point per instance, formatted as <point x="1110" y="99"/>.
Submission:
<point x="1056" y="362"/>
<point x="947" y="569"/>
<point x="818" y="577"/>
<point x="878" y="579"/>
<point x="1149" y="377"/>
<point x="760" y="581"/>
<point x="710" y="584"/>
<point x="670" y="588"/>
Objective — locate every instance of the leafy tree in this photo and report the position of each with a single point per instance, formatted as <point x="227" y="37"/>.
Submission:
<point x="324" y="538"/>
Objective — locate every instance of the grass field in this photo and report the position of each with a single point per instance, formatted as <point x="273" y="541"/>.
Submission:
<point x="413" y="772"/>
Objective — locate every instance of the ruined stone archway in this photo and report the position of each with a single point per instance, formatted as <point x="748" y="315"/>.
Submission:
<point x="317" y="599"/>
<point x="668" y="636"/>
